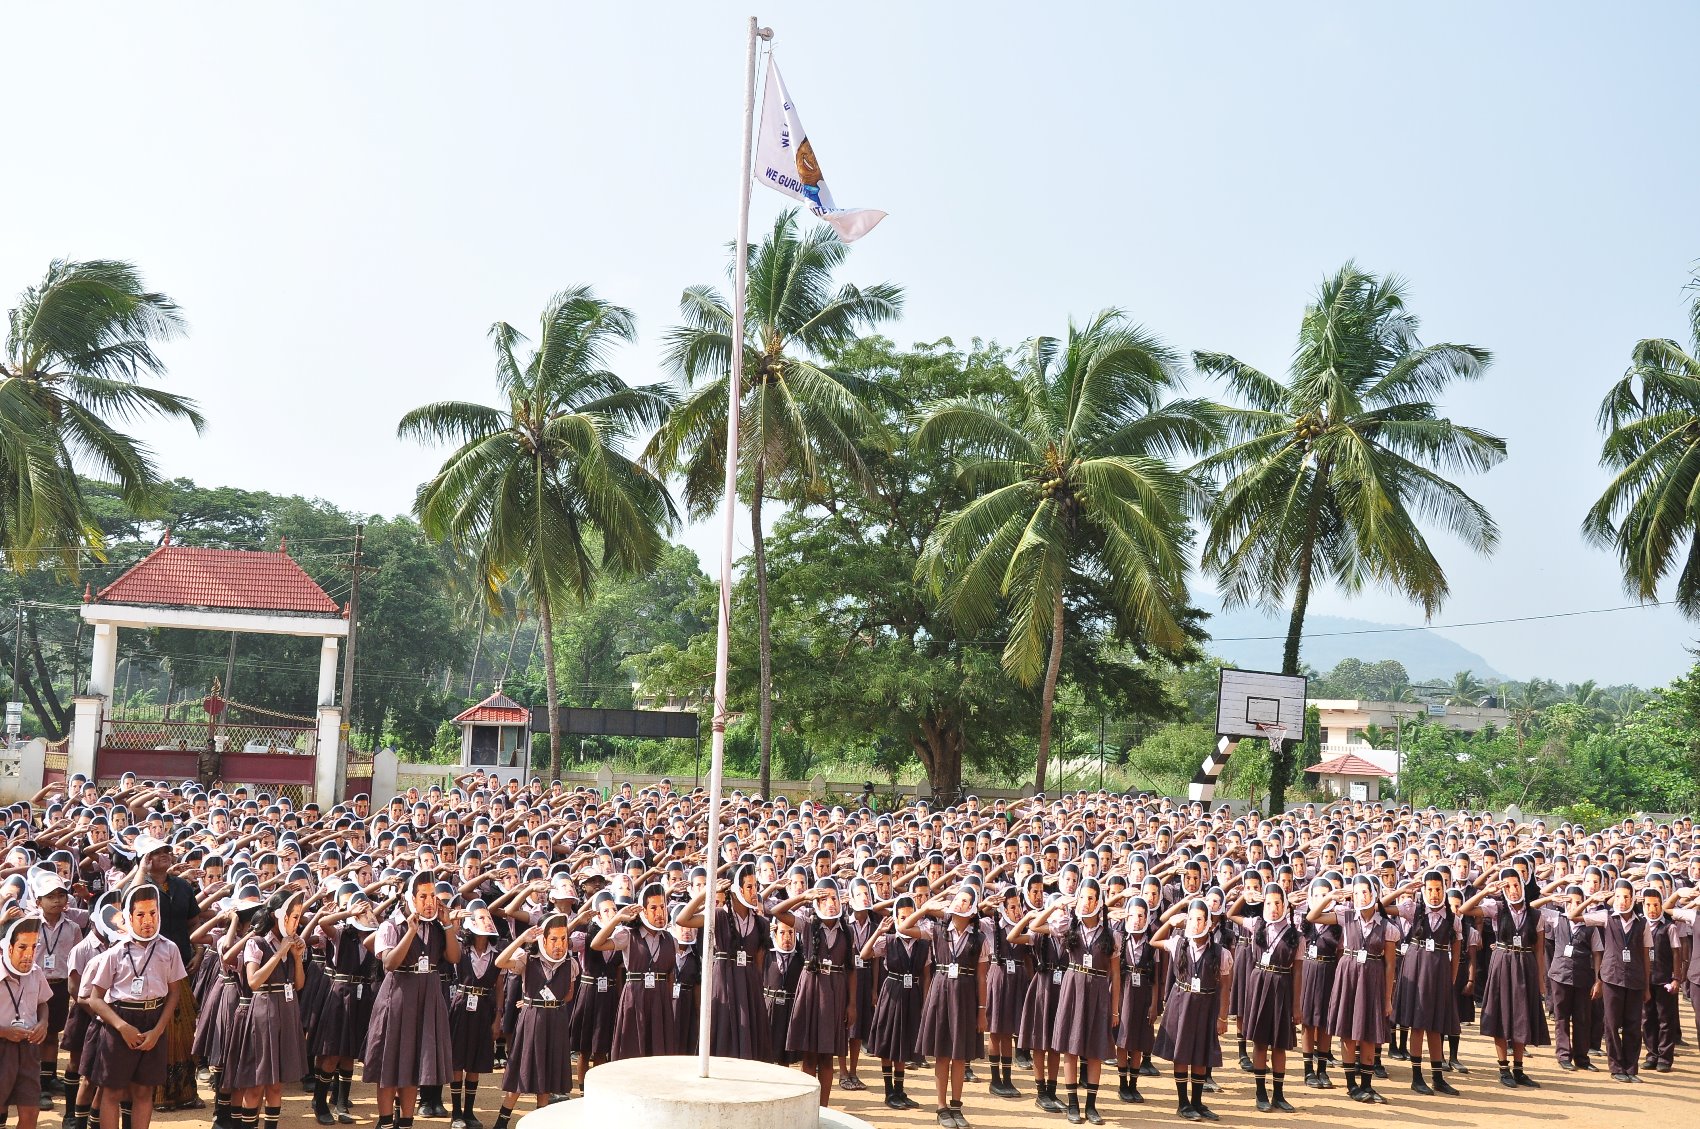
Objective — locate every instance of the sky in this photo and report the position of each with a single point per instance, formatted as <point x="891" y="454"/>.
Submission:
<point x="343" y="198"/>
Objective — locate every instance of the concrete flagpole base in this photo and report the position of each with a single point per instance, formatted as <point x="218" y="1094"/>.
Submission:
<point x="665" y="1093"/>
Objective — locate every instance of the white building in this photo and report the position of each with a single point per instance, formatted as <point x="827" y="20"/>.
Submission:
<point x="1345" y="721"/>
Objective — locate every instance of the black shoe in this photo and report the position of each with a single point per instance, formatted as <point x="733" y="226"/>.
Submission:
<point x="997" y="1089"/>
<point x="956" y="1115"/>
<point x="1506" y="1079"/>
<point x="1245" y="1062"/>
<point x="469" y="1117"/>
<point x="1323" y="1082"/>
<point x="1372" y="1097"/>
<point x="968" y="1074"/>
<point x="908" y="1102"/>
<point x="1148" y="1069"/>
<point x="1380" y="1071"/>
<point x="1524" y="1080"/>
<point x="1023" y="1060"/>
<point x="1263" y="1106"/>
<point x="1418" y="1086"/>
<point x="322" y="1114"/>
<point x="1663" y="1068"/>
<point x="1206" y="1112"/>
<point x="1619" y="1076"/>
<point x="1093" y="1117"/>
<point x="1588" y="1064"/>
<point x="893" y="1100"/>
<point x="1649" y="1063"/>
<point x="1047" y="1101"/>
<point x="1566" y="1064"/>
<point x="1396" y="1053"/>
<point x="946" y="1119"/>
<point x="1134" y="1096"/>
<point x="1124" y="1092"/>
<point x="1188" y="1112"/>
<point x="1282" y="1105"/>
<point x="1210" y="1087"/>
<point x="1073" y="1111"/>
<point x="1453" y="1066"/>
<point x="1442" y="1086"/>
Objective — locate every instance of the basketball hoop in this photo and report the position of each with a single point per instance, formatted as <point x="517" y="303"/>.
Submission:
<point x="1273" y="732"/>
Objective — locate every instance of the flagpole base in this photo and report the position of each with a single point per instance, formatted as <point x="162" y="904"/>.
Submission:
<point x="665" y="1093"/>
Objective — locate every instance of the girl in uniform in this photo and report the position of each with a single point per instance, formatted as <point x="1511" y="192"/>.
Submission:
<point x="1039" y="1010"/>
<point x="133" y="990"/>
<point x="475" y="1012"/>
<point x="895" y="1028"/>
<point x="266" y="1046"/>
<point x="346" y="1004"/>
<point x="1512" y="1012"/>
<point x="540" y="1053"/>
<point x="1137" y="1033"/>
<point x="862" y="922"/>
<point x="780" y="973"/>
<point x="1426" y="1004"/>
<point x="1316" y="988"/>
<point x="1007" y="979"/>
<point x="407" y="1045"/>
<point x="598" y="998"/>
<point x="1360" y="1007"/>
<point x="1089" y="1005"/>
<point x="1195" y="1015"/>
<point x="1464" y="978"/>
<point x="1273" y="944"/>
<point x="824" y="1007"/>
<point x="24" y="1006"/>
<point x="643" y="1021"/>
<point x="953" y="1017"/>
<point x="738" y="948"/>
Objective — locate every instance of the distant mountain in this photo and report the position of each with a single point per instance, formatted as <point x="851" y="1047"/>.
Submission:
<point x="1426" y="655"/>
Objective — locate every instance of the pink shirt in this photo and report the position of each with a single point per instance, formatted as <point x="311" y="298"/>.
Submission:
<point x="22" y="997"/>
<point x="156" y="963"/>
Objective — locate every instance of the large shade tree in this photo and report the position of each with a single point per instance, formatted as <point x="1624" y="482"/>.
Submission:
<point x="80" y="350"/>
<point x="1074" y="490"/>
<point x="1330" y="475"/>
<point x="1650" y="510"/>
<point x="795" y="405"/>
<point x="541" y="488"/>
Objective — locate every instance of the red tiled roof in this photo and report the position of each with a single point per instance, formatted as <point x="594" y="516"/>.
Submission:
<point x="183" y="576"/>
<point x="1348" y="764"/>
<point x="497" y="707"/>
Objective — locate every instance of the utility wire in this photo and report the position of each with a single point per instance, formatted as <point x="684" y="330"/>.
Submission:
<point x="1443" y="626"/>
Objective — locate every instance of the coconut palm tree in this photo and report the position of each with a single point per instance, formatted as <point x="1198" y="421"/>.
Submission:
<point x="1648" y="513"/>
<point x="1330" y="475"/>
<point x="540" y="488"/>
<point x="79" y="349"/>
<point x="796" y="410"/>
<point x="1466" y="689"/>
<point x="1074" y="486"/>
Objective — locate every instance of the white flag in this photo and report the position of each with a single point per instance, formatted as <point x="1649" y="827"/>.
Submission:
<point x="786" y="162"/>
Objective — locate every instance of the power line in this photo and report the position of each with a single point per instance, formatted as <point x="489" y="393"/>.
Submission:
<point x="1442" y="626"/>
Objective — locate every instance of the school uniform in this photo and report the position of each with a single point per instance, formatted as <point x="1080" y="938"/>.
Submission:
<point x="1188" y="1036"/>
<point x="1660" y="1018"/>
<point x="597" y="1001"/>
<point x="1137" y="1031"/>
<point x="819" y="1024"/>
<point x="472" y="1010"/>
<point x="1512" y="1008"/>
<point x="950" y="1016"/>
<point x="1357" y="1005"/>
<point x="687" y="992"/>
<point x="1007" y="978"/>
<point x="23" y="1004"/>
<point x="1085" y="1000"/>
<point x="1039" y="1009"/>
<point x="540" y="1052"/>
<point x="407" y="1043"/>
<point x="53" y="958"/>
<point x="1266" y="1015"/>
<point x="1571" y="978"/>
<point x="345" y="1008"/>
<point x="643" y="1019"/>
<point x="780" y="974"/>
<point x="267" y="1044"/>
<point x="1623" y="982"/>
<point x="893" y="1033"/>
<point x="867" y="978"/>
<point x="1427" y="1001"/>
<point x="135" y="978"/>
<point x="79" y="1017"/>
<point x="741" y="942"/>
<point x="1316" y="974"/>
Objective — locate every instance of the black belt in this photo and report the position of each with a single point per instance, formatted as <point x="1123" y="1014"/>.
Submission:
<point x="825" y="967"/>
<point x="1512" y="948"/>
<point x="415" y="971"/>
<point x="470" y="991"/>
<point x="528" y="1001"/>
<point x="268" y="989"/>
<point x="660" y="978"/>
<point x="227" y="978"/>
<point x="1282" y="969"/>
<point x="777" y="995"/>
<point x="140" y="1005"/>
<point x="1367" y="955"/>
<point x="1086" y="970"/>
<point x="1195" y="991"/>
<point x="342" y="978"/>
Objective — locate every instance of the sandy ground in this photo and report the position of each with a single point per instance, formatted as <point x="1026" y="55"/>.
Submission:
<point x="1665" y="1101"/>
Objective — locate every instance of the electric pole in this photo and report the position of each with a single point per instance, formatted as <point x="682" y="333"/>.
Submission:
<point x="348" y="664"/>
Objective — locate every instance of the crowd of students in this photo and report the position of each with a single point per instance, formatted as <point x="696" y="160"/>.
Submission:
<point x="518" y="936"/>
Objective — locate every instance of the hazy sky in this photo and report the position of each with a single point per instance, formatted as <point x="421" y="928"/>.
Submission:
<point x="343" y="196"/>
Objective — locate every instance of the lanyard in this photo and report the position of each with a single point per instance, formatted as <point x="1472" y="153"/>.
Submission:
<point x="130" y="955"/>
<point x="52" y="935"/>
<point x="17" y="1008"/>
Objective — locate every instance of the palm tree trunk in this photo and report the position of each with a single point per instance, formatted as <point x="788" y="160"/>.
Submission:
<point x="508" y="658"/>
<point x="477" y="645"/>
<point x="1281" y="763"/>
<point x="764" y="636"/>
<point x="1048" y="696"/>
<point x="546" y="625"/>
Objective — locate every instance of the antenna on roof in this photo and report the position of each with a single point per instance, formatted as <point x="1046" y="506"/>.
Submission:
<point x="283" y="544"/>
<point x="167" y="538"/>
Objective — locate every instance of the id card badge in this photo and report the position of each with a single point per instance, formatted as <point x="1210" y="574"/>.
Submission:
<point x="1009" y="967"/>
<point x="743" y="958"/>
<point x="1311" y="952"/>
<point x="1428" y="945"/>
<point x="549" y="996"/>
<point x="1136" y="978"/>
<point x="1569" y="950"/>
<point x="471" y="1003"/>
<point x="649" y="980"/>
<point x="1056" y="976"/>
<point x="859" y="962"/>
<point x="136" y="982"/>
<point x="1627" y="957"/>
<point x="1197" y="985"/>
<point x="908" y="980"/>
<point x="1267" y="957"/>
<point x="601" y="983"/>
<point x="424" y="964"/>
<point x="953" y="970"/>
<point x="49" y="962"/>
<point x="360" y="991"/>
<point x="1363" y="956"/>
<point x="1404" y="947"/>
<point x="675" y="989"/>
<point x="288" y="992"/>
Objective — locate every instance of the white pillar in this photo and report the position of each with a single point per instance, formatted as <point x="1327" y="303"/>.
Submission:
<point x="85" y="735"/>
<point x="385" y="768"/>
<point x="103" y="672"/>
<point x="324" y="767"/>
<point x="327" y="671"/>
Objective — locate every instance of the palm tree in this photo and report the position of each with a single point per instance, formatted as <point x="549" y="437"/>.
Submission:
<point x="1466" y="689"/>
<point x="79" y="346"/>
<point x="1330" y="475"/>
<point x="540" y="489"/>
<point x="1073" y="486"/>
<point x="795" y="407"/>
<point x="1648" y="512"/>
<point x="1525" y="702"/>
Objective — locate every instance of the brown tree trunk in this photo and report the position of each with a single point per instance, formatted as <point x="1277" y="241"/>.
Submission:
<point x="939" y="747"/>
<point x="764" y="638"/>
<point x="1281" y="761"/>
<point x="57" y="717"/>
<point x="1048" y="697"/>
<point x="552" y="694"/>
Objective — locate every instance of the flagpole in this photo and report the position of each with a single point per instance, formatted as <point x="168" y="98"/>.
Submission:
<point x="728" y="506"/>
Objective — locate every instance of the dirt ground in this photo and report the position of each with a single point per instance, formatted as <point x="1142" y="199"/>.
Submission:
<point x="1664" y="1101"/>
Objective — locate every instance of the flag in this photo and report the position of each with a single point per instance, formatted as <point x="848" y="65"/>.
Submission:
<point x="786" y="162"/>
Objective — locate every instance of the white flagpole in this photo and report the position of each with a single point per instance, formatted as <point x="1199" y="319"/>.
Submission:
<point x="728" y="506"/>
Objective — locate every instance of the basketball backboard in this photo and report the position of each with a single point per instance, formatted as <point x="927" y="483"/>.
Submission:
<point x="1246" y="699"/>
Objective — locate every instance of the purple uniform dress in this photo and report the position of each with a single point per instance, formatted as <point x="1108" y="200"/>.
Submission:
<point x="267" y="1044"/>
<point x="897" y="1013"/>
<point x="1007" y="978"/>
<point x="472" y="1010"/>
<point x="1188" y="1036"/>
<point x="1086" y="998"/>
<point x="950" y="1017"/>
<point x="643" y="1021"/>
<point x="819" y="1014"/>
<point x="407" y="1043"/>
<point x="1425" y="999"/>
<point x="1512" y="1005"/>
<point x="1357" y="1007"/>
<point x="1266" y="1007"/>
<point x="1316" y="983"/>
<point x="540" y="1053"/>
<point x="1139" y="971"/>
<point x="741" y="944"/>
